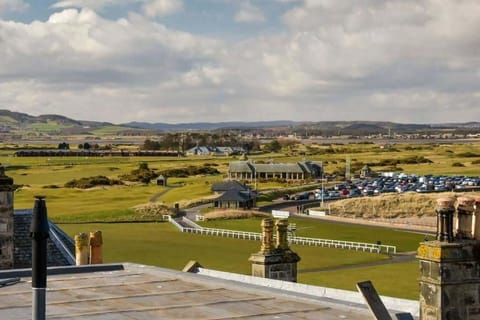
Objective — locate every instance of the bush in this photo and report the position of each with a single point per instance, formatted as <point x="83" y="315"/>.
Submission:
<point x="142" y="174"/>
<point x="458" y="164"/>
<point x="90" y="182"/>
<point x="190" y="171"/>
<point x="51" y="186"/>
<point x="468" y="155"/>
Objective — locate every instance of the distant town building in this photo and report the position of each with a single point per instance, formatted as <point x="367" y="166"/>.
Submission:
<point x="246" y="170"/>
<point x="215" y="151"/>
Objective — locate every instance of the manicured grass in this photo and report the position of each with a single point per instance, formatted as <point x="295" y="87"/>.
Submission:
<point x="395" y="280"/>
<point x="405" y="241"/>
<point x="161" y="244"/>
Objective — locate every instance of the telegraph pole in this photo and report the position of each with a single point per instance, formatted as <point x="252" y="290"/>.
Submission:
<point x="39" y="233"/>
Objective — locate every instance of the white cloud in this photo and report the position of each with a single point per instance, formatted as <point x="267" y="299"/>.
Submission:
<point x="91" y="4"/>
<point x="13" y="5"/>
<point x="154" y="8"/>
<point x="249" y="13"/>
<point x="401" y="60"/>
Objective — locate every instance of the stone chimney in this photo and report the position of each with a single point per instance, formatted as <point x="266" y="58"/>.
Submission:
<point x="96" y="252"/>
<point x="82" y="249"/>
<point x="6" y="221"/>
<point x="450" y="265"/>
<point x="275" y="261"/>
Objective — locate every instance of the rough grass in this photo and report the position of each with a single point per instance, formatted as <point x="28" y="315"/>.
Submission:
<point x="392" y="205"/>
<point x="234" y="214"/>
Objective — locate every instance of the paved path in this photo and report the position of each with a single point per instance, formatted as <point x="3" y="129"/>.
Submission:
<point x="161" y="193"/>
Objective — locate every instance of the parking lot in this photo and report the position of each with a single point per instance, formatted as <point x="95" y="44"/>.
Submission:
<point x="393" y="183"/>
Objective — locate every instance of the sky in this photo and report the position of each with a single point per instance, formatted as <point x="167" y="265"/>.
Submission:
<point x="181" y="61"/>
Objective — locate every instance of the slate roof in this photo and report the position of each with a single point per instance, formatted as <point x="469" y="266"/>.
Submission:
<point x="240" y="166"/>
<point x="235" y="195"/>
<point x="229" y="185"/>
<point x="199" y="150"/>
<point x="133" y="291"/>
<point x="309" y="167"/>
<point x="60" y="247"/>
<point x="206" y="150"/>
<point x="279" y="168"/>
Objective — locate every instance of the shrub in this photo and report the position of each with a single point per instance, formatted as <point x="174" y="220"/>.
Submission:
<point x="51" y="186"/>
<point x="90" y="182"/>
<point x="190" y="171"/>
<point x="458" y="164"/>
<point x="468" y="155"/>
<point x="142" y="174"/>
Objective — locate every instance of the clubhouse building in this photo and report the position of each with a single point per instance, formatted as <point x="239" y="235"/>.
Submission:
<point x="249" y="171"/>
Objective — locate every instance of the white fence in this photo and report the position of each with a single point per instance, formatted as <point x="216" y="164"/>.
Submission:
<point x="225" y="233"/>
<point x="350" y="245"/>
<point x="357" y="246"/>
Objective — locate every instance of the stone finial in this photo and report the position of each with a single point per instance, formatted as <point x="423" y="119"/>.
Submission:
<point x="267" y="236"/>
<point x="445" y="209"/>
<point x="446" y="202"/>
<point x="282" y="236"/>
<point x="465" y="203"/>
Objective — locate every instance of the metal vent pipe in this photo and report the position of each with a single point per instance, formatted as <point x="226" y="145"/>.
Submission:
<point x="39" y="233"/>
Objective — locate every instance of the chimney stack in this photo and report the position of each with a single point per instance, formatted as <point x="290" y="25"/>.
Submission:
<point x="96" y="242"/>
<point x="449" y="276"/>
<point x="6" y="221"/>
<point x="82" y="249"/>
<point x="277" y="262"/>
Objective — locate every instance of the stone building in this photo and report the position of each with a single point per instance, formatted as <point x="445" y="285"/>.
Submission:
<point x="234" y="195"/>
<point x="249" y="171"/>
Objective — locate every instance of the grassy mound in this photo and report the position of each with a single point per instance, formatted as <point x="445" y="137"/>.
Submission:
<point x="234" y="214"/>
<point x="152" y="211"/>
<point x="392" y="205"/>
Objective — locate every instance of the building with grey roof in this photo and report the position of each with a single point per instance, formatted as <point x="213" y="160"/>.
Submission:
<point x="236" y="199"/>
<point x="215" y="151"/>
<point x="220" y="187"/>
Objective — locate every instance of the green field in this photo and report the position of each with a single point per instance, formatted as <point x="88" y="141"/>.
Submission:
<point x="40" y="175"/>
<point x="162" y="245"/>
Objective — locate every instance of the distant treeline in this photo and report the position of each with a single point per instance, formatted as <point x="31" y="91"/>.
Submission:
<point x="93" y="153"/>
